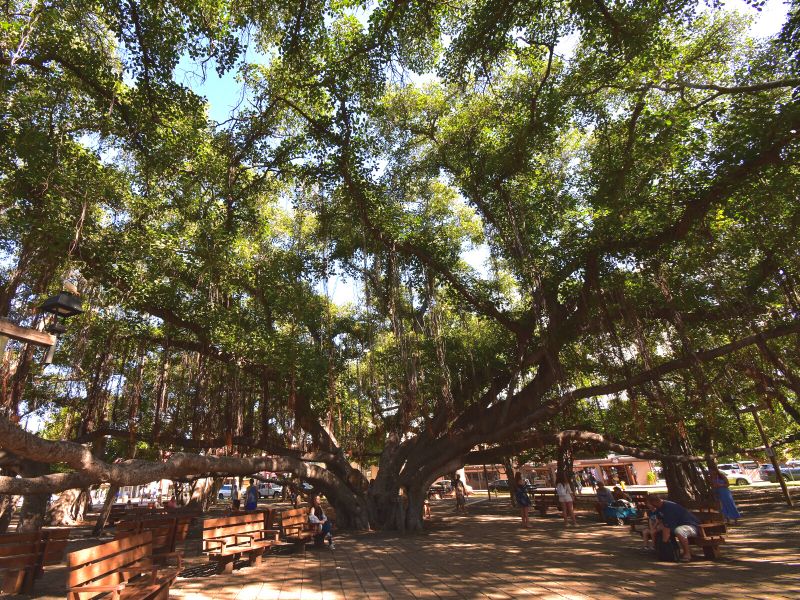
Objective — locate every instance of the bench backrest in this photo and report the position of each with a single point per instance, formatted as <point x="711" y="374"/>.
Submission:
<point x="100" y="565"/>
<point x="19" y="571"/>
<point x="181" y="529"/>
<point x="55" y="543"/>
<point x="163" y="530"/>
<point x="293" y="517"/>
<point x="228" y="527"/>
<point x="706" y="511"/>
<point x="19" y="551"/>
<point x="49" y="543"/>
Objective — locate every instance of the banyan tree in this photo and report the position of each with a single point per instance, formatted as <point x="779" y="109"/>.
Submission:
<point x="426" y="234"/>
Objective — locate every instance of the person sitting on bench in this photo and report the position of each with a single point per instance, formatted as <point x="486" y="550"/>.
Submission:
<point x="677" y="521"/>
<point x="620" y="498"/>
<point x="604" y="495"/>
<point x="316" y="516"/>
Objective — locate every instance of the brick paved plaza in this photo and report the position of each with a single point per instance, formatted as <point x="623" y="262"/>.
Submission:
<point x="486" y="554"/>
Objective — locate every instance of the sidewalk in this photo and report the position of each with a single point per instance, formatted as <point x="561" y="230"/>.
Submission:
<point x="485" y="554"/>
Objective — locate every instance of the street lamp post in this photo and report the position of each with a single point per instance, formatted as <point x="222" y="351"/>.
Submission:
<point x="62" y="306"/>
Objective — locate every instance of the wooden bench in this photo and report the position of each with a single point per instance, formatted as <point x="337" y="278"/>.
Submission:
<point x="167" y="532"/>
<point x="55" y="543"/>
<point x="193" y="513"/>
<point x="23" y="556"/>
<point x="638" y="498"/>
<point x="544" y="500"/>
<point x="123" y="568"/>
<point x="118" y="511"/>
<point x="712" y="530"/>
<point x="20" y="561"/>
<point x="229" y="537"/>
<point x="295" y="527"/>
<point x="710" y="533"/>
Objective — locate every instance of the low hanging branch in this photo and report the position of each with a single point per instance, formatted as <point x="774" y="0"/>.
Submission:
<point x="596" y="440"/>
<point x="92" y="470"/>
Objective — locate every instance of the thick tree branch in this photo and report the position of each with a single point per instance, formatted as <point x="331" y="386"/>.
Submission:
<point x="675" y="85"/>
<point x="92" y="470"/>
<point x="596" y="440"/>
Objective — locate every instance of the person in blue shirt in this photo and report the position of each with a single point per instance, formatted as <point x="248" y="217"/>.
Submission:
<point x="251" y="496"/>
<point x="677" y="521"/>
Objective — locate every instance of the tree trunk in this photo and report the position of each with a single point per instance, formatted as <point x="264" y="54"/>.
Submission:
<point x="204" y="491"/>
<point x="31" y="516"/>
<point x="68" y="509"/>
<point x="685" y="480"/>
<point x="106" y="511"/>
<point x="7" y="504"/>
<point x="509" y="469"/>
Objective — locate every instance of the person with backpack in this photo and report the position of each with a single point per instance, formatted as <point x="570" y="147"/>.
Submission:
<point x="677" y="521"/>
<point x="251" y="496"/>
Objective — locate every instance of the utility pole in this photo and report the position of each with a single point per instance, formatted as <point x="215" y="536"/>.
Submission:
<point x="769" y="451"/>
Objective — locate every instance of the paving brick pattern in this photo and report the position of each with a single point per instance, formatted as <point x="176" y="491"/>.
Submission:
<point x="485" y="554"/>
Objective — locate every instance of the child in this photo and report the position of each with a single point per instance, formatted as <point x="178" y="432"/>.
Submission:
<point x="649" y="533"/>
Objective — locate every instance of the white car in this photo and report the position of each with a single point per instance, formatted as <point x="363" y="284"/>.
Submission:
<point x="735" y="474"/>
<point x="269" y="490"/>
<point x="225" y="492"/>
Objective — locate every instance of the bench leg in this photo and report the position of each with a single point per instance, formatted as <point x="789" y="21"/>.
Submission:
<point x="224" y="564"/>
<point x="254" y="558"/>
<point x="15" y="582"/>
<point x="711" y="552"/>
<point x="162" y="594"/>
<point x="542" y="511"/>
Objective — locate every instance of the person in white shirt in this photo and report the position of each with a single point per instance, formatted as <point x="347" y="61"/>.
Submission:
<point x="564" y="493"/>
<point x="317" y="517"/>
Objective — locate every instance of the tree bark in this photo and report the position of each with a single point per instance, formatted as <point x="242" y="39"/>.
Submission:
<point x="7" y="504"/>
<point x="33" y="509"/>
<point x="204" y="491"/>
<point x="68" y="509"/>
<point x="102" y="518"/>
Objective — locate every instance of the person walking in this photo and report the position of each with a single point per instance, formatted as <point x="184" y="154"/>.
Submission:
<point x="593" y="481"/>
<point x="565" y="497"/>
<point x="522" y="498"/>
<point x="722" y="491"/>
<point x="461" y="493"/>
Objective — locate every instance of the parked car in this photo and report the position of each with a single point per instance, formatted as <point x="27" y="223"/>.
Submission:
<point x="440" y="488"/>
<point x="735" y="474"/>
<point x="225" y="492"/>
<point x="731" y="468"/>
<point x="269" y="490"/>
<point x="789" y="473"/>
<point x="499" y="485"/>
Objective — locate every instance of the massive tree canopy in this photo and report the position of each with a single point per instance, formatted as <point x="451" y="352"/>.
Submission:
<point x="427" y="233"/>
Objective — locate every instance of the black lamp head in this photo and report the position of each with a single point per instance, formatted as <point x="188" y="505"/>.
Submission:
<point x="63" y="304"/>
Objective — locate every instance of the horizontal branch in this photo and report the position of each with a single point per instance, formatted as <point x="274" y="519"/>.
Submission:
<point x="683" y="363"/>
<point x="680" y="84"/>
<point x="173" y="441"/>
<point x="522" y="415"/>
<point x="92" y="470"/>
<point x="596" y="440"/>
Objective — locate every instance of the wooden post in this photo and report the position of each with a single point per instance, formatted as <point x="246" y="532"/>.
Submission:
<point x="26" y="334"/>
<point x="770" y="453"/>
